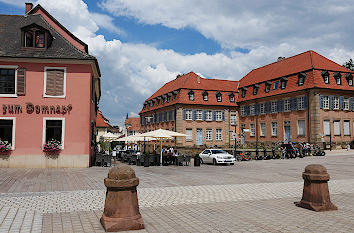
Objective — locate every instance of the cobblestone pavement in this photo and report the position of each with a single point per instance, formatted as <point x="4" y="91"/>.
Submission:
<point x="255" y="196"/>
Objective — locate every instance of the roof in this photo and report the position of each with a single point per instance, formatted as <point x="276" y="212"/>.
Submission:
<point x="133" y="123"/>
<point x="310" y="63"/>
<point x="191" y="81"/>
<point x="101" y="121"/>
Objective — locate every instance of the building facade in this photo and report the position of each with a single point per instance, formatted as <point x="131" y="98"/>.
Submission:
<point x="304" y="98"/>
<point x="203" y="109"/>
<point x="49" y="90"/>
<point x="102" y="126"/>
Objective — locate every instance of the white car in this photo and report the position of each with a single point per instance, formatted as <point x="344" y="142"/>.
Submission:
<point x="216" y="156"/>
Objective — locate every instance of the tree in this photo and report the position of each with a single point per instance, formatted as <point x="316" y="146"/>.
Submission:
<point x="349" y="64"/>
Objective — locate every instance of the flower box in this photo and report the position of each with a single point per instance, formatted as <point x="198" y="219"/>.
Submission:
<point x="52" y="147"/>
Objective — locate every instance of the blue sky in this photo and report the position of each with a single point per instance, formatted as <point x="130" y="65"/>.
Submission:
<point x="140" y="45"/>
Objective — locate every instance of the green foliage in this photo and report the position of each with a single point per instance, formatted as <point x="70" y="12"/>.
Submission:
<point x="349" y="64"/>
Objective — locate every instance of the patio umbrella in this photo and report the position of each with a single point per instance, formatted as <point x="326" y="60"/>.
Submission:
<point x="109" y="137"/>
<point x="162" y="134"/>
<point x="135" y="138"/>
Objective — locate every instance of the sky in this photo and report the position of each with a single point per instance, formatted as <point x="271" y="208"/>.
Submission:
<point x="142" y="44"/>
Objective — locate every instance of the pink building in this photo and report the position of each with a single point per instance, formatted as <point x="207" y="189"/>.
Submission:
<point x="49" y="89"/>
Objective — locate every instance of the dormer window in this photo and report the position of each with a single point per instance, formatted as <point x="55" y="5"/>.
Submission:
<point x="255" y="89"/>
<point x="174" y="94"/>
<point x="191" y="95"/>
<point x="283" y="82"/>
<point x="232" y="97"/>
<point x="325" y="76"/>
<point x="301" y="77"/>
<point x="268" y="84"/>
<point x="243" y="92"/>
<point x="205" y="95"/>
<point x="218" y="96"/>
<point x="276" y="85"/>
<point x="338" y="78"/>
<point x="349" y="78"/>
<point x="34" y="36"/>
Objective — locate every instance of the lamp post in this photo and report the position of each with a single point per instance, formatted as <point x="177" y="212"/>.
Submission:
<point x="235" y="141"/>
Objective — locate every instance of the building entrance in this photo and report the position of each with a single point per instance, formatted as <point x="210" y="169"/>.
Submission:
<point x="199" y="140"/>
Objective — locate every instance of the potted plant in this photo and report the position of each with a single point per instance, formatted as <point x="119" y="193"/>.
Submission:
<point x="5" y="147"/>
<point x="52" y="147"/>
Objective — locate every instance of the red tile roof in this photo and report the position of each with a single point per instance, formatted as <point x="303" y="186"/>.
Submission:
<point x="184" y="83"/>
<point x="310" y="63"/>
<point x="101" y="121"/>
<point x="133" y="124"/>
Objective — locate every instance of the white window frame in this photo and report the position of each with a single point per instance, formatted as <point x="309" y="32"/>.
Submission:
<point x="274" y="129"/>
<point x="218" y="115"/>
<point x="326" y="79"/>
<point x="325" y="102"/>
<point x="350" y="82"/>
<point x="243" y="111"/>
<point x="261" y="132"/>
<point x="287" y="107"/>
<point x="262" y="108"/>
<point x="346" y="103"/>
<point x="336" y="122"/>
<point x="329" y="127"/>
<point x="199" y="115"/>
<point x="301" y="103"/>
<point x="15" y="68"/>
<point x="45" y="82"/>
<point x="346" y="129"/>
<point x="218" y="134"/>
<point x="62" y="129"/>
<point x="13" y="130"/>
<point x="209" y="115"/>
<point x="189" y="138"/>
<point x="252" y="130"/>
<point x="219" y="98"/>
<point x="205" y="97"/>
<point x="336" y="102"/>
<point x="298" y="128"/>
<point x="189" y="115"/>
<point x="233" y="118"/>
<point x="209" y="134"/>
<point x="252" y="109"/>
<point x="274" y="106"/>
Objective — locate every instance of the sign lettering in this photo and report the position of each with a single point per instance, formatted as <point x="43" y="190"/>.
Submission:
<point x="37" y="109"/>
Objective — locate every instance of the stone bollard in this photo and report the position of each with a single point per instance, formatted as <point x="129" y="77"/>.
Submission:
<point x="121" y="208"/>
<point x="316" y="194"/>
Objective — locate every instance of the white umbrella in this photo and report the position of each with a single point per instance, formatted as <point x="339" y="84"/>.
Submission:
<point x="162" y="134"/>
<point x="135" y="138"/>
<point x="109" y="137"/>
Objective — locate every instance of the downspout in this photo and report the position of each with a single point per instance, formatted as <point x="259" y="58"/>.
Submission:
<point x="308" y="117"/>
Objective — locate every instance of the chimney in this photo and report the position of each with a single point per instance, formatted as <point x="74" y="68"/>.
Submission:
<point x="28" y="7"/>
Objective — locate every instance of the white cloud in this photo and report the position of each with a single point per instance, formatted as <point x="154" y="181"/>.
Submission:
<point x="17" y="3"/>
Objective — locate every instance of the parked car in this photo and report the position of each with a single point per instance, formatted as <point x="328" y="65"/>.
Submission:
<point x="216" y="156"/>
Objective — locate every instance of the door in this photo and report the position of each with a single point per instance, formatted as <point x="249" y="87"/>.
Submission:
<point x="287" y="135"/>
<point x="199" y="137"/>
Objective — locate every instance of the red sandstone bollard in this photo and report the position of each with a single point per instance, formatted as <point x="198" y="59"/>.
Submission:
<point x="316" y="194"/>
<point x="121" y="208"/>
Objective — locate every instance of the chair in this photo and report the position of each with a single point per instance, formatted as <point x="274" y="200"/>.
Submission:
<point x="152" y="159"/>
<point x="187" y="160"/>
<point x="133" y="159"/>
<point x="179" y="160"/>
<point x="107" y="160"/>
<point x="98" y="160"/>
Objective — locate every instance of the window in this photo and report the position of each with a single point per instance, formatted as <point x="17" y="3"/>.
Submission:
<point x="233" y="118"/>
<point x="7" y="130"/>
<point x="232" y="97"/>
<point x="34" y="38"/>
<point x="325" y="76"/>
<point x="252" y="110"/>
<point x="243" y="110"/>
<point x="54" y="129"/>
<point x="326" y="128"/>
<point x="301" y="103"/>
<point x="209" y="115"/>
<point x="218" y="135"/>
<point x="189" y="115"/>
<point x="267" y="86"/>
<point x="55" y="82"/>
<point x="205" y="97"/>
<point x="209" y="135"/>
<point x="326" y="102"/>
<point x="287" y="107"/>
<point x="276" y="85"/>
<point x="335" y="102"/>
<point x="338" y="78"/>
<point x="252" y="130"/>
<point x="350" y="82"/>
<point x="262" y="129"/>
<point x="346" y="103"/>
<point x="346" y="127"/>
<point x="7" y="81"/>
<point x="199" y="115"/>
<point x="301" y="128"/>
<point x="274" y="106"/>
<point x="219" y="115"/>
<point x="243" y="92"/>
<point x="274" y="129"/>
<point x="255" y="89"/>
<point x="336" y="125"/>
<point x="349" y="78"/>
<point x="283" y="83"/>
<point x="262" y="108"/>
<point x="218" y="97"/>
<point x="189" y="133"/>
<point x="301" y="79"/>
<point x="243" y="126"/>
<point x="191" y="95"/>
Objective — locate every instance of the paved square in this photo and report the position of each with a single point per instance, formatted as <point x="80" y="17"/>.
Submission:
<point x="254" y="196"/>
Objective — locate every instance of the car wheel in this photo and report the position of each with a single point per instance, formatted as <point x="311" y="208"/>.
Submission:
<point x="214" y="161"/>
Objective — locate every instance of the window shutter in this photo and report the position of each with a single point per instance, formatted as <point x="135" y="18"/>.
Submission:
<point x="50" y="83"/>
<point x="281" y="105"/>
<point x="268" y="107"/>
<point x="256" y="109"/>
<point x="223" y="115"/>
<point x="341" y="104"/>
<point x="55" y="82"/>
<point x="332" y="101"/>
<point x="351" y="103"/>
<point x="184" y="114"/>
<point x="204" y="115"/>
<point x="194" y="115"/>
<point x="305" y="102"/>
<point x="295" y="103"/>
<point x="321" y="101"/>
<point x="21" y="81"/>
<point x="214" y="116"/>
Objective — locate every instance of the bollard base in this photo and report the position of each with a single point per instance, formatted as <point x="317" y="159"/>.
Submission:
<point x="316" y="207"/>
<point x="122" y="224"/>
